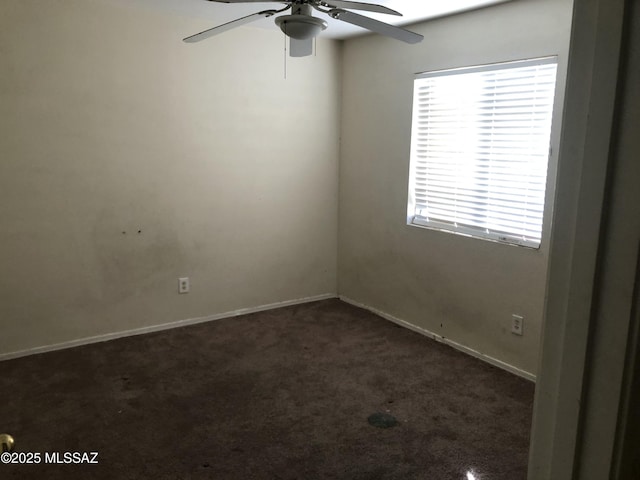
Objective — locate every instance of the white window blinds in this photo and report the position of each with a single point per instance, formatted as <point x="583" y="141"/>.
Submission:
<point x="480" y="147"/>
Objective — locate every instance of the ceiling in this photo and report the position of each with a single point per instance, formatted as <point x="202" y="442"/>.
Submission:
<point x="413" y="11"/>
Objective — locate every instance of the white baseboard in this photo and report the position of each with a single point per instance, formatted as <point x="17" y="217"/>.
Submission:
<point x="165" y="326"/>
<point x="446" y="341"/>
<point x="261" y="308"/>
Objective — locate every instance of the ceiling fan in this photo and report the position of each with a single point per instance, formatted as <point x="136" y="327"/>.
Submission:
<point x="301" y="27"/>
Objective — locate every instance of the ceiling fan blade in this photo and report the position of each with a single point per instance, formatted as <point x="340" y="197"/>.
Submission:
<point x="249" y="1"/>
<point x="369" y="7"/>
<point x="300" y="48"/>
<point x="376" y="26"/>
<point x="228" y="26"/>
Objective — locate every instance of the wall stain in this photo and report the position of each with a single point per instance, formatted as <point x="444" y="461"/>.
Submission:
<point x="130" y="265"/>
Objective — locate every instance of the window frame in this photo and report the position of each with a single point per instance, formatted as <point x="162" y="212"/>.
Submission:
<point x="510" y="238"/>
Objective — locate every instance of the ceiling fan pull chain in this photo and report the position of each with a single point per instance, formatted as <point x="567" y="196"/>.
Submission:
<point x="285" y="55"/>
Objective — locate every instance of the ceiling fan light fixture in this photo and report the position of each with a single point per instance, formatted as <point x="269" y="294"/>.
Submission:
<point x="301" y="27"/>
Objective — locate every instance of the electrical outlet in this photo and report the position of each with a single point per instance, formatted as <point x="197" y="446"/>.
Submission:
<point x="183" y="285"/>
<point x="517" y="324"/>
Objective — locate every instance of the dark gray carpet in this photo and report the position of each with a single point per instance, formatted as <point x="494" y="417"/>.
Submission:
<point x="283" y="394"/>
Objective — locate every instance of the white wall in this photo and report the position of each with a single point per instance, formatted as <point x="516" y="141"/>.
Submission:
<point x="110" y="124"/>
<point x="460" y="288"/>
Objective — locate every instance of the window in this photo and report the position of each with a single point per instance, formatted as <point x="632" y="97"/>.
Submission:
<point x="480" y="145"/>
